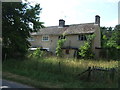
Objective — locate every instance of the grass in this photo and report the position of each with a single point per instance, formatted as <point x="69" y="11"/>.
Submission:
<point x="54" y="72"/>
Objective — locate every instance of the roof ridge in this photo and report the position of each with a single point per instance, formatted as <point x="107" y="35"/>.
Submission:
<point x="80" y="24"/>
<point x="71" y="25"/>
<point x="69" y="29"/>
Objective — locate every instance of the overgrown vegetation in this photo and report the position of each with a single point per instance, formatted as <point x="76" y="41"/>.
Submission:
<point x="36" y="54"/>
<point x="85" y="51"/>
<point x="60" y="44"/>
<point x="111" y="42"/>
<point x="47" y="71"/>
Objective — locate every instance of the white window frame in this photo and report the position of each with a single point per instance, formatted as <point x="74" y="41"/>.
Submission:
<point x="44" y="36"/>
<point x="32" y="49"/>
<point x="46" y="49"/>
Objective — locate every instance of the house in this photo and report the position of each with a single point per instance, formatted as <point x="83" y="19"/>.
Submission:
<point x="47" y="38"/>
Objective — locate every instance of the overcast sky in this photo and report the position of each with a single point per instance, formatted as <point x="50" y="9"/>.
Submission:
<point x="78" y="11"/>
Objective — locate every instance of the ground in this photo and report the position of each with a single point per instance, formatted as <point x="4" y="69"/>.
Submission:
<point x="11" y="84"/>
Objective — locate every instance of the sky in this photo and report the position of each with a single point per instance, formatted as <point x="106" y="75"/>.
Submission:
<point x="78" y="11"/>
<point x="119" y="13"/>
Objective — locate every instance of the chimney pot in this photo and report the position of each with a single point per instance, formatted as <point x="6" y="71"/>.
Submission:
<point x="97" y="20"/>
<point x="61" y="23"/>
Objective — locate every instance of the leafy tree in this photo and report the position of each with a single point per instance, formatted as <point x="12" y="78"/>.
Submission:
<point x="85" y="51"/>
<point x="117" y="34"/>
<point x="111" y="42"/>
<point x="16" y="19"/>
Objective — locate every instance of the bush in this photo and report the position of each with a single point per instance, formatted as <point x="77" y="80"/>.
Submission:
<point x="60" y="44"/>
<point x="85" y="51"/>
<point x="37" y="53"/>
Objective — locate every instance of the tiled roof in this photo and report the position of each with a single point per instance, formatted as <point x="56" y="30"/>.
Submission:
<point x="68" y="29"/>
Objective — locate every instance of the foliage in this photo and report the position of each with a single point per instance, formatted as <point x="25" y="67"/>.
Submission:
<point x="85" y="51"/>
<point x="60" y="44"/>
<point x="111" y="38"/>
<point x="47" y="72"/>
<point x="111" y="41"/>
<point x="16" y="19"/>
<point x="37" y="53"/>
<point x="90" y="38"/>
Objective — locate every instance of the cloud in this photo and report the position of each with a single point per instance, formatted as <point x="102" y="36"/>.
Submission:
<point x="76" y="11"/>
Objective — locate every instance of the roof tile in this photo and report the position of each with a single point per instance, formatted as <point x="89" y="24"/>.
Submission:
<point x="68" y="29"/>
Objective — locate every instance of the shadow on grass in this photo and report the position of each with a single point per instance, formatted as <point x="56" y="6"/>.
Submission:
<point x="58" y="72"/>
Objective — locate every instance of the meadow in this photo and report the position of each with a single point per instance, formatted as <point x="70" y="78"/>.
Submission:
<point x="53" y="72"/>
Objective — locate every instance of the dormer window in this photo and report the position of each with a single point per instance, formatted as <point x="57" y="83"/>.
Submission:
<point x="82" y="37"/>
<point x="45" y="38"/>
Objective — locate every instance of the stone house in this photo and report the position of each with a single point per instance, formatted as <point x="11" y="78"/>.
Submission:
<point x="47" y="38"/>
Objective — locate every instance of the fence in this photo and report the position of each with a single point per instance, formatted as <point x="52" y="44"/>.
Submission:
<point x="95" y="73"/>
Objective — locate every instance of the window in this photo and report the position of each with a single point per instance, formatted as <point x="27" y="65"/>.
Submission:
<point x="61" y="37"/>
<point x="82" y="37"/>
<point x="45" y="38"/>
<point x="67" y="51"/>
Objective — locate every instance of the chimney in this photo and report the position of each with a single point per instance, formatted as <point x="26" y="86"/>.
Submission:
<point x="61" y="23"/>
<point x="97" y="20"/>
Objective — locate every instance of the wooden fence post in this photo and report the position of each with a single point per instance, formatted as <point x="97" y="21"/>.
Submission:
<point x="59" y="67"/>
<point x="112" y="74"/>
<point x="89" y="73"/>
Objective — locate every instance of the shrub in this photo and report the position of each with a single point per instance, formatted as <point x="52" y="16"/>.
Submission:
<point x="37" y="53"/>
<point x="85" y="51"/>
<point x="60" y="44"/>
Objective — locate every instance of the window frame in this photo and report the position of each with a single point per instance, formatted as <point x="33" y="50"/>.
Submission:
<point x="45" y="36"/>
<point x="61" y="37"/>
<point x="82" y="37"/>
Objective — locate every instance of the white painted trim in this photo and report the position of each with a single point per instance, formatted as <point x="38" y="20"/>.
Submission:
<point x="46" y="49"/>
<point x="32" y="48"/>
<point x="45" y="36"/>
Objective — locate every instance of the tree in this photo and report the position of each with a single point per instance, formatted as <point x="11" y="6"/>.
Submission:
<point x="85" y="51"/>
<point x="111" y="41"/>
<point x="117" y="34"/>
<point x="16" y="19"/>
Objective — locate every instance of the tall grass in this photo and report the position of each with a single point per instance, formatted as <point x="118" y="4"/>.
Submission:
<point x="58" y="71"/>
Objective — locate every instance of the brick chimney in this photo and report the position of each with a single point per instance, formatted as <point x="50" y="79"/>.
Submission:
<point x="61" y="23"/>
<point x="97" y="20"/>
